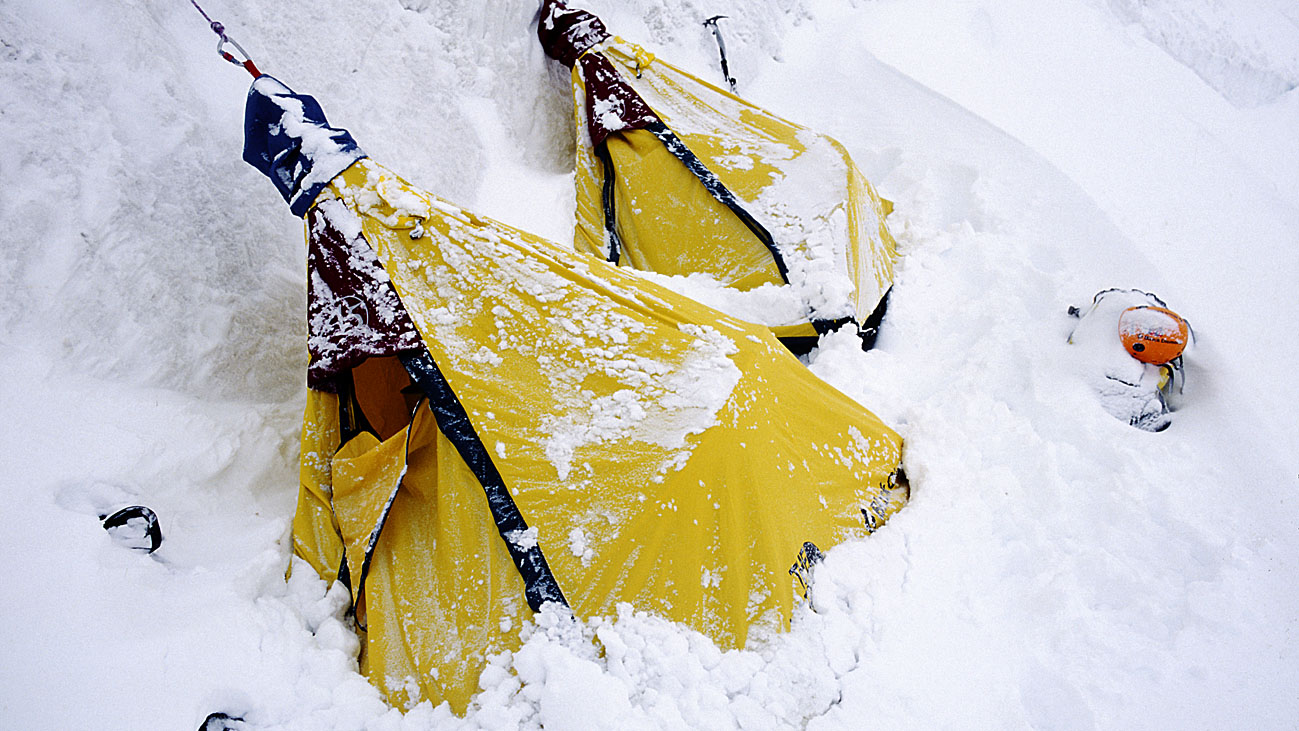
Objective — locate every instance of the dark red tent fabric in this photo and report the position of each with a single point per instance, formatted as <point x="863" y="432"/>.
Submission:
<point x="611" y="104"/>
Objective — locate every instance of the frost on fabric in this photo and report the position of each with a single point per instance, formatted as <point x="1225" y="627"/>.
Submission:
<point x="769" y="304"/>
<point x="496" y="295"/>
<point x="565" y="33"/>
<point x="664" y="405"/>
<point x="579" y="544"/>
<point x="806" y="209"/>
<point x="295" y="147"/>
<point x="804" y="190"/>
<point x="613" y="105"/>
<point x="608" y="113"/>
<point x="352" y="310"/>
<point x="524" y="540"/>
<point x="1145" y="321"/>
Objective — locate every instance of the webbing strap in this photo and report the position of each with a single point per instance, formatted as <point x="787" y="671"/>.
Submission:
<point x="610" y="215"/>
<point x="718" y="190"/>
<point x="539" y="582"/>
<point x="715" y="187"/>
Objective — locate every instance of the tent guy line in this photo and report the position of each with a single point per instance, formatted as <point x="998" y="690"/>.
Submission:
<point x="220" y="30"/>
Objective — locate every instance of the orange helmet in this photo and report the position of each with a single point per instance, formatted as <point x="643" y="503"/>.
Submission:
<point x="1152" y="334"/>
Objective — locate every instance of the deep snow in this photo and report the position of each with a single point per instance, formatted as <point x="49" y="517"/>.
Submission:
<point x="1055" y="568"/>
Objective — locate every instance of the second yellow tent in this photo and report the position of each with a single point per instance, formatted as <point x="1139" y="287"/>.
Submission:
<point x="679" y="177"/>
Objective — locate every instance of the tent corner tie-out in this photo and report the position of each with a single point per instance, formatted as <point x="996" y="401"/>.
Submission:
<point x="223" y="38"/>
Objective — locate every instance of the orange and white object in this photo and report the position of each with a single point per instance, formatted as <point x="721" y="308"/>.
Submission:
<point x="1138" y="375"/>
<point x="1154" y="335"/>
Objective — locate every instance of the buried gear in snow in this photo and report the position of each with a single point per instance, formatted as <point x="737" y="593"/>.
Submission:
<point x="1154" y="335"/>
<point x="1138" y="374"/>
<point x="135" y="527"/>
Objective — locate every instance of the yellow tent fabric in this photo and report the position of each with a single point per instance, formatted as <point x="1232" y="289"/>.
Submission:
<point x="651" y="179"/>
<point x="826" y="219"/>
<point x="663" y="454"/>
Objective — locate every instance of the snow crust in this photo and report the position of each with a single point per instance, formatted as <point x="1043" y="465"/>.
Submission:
<point x="1246" y="57"/>
<point x="664" y="407"/>
<point x="1055" y="567"/>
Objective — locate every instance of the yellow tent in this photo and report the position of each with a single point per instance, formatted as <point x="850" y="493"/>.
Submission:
<point x="496" y="423"/>
<point x="679" y="177"/>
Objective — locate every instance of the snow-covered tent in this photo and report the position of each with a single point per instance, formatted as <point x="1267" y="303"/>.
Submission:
<point x="496" y="423"/>
<point x="679" y="177"/>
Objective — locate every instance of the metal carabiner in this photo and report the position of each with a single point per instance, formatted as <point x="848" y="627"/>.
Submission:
<point x="247" y="62"/>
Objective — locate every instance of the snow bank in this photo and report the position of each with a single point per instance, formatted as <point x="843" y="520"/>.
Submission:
<point x="1248" y="57"/>
<point x="1195" y="184"/>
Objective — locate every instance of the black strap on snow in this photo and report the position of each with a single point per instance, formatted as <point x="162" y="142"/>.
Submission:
<point x="869" y="330"/>
<point x="222" y="722"/>
<point x="134" y="512"/>
<point x="823" y="327"/>
<point x="540" y="585"/>
<point x="803" y="344"/>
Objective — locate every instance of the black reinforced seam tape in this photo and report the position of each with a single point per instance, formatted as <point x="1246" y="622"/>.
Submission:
<point x="540" y="585"/>
<point x="718" y="190"/>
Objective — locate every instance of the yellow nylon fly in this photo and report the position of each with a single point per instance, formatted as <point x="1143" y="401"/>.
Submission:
<point x="664" y="455"/>
<point x="802" y="186"/>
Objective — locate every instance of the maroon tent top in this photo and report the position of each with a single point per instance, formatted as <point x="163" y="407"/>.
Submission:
<point x="353" y="312"/>
<point x="567" y="34"/>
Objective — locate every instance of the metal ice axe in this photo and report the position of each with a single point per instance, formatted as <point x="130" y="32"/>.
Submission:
<point x="711" y="23"/>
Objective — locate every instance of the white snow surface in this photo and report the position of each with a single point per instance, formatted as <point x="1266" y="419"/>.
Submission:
<point x="1055" y="567"/>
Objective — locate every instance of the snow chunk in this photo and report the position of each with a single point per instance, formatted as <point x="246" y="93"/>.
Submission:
<point x="524" y="540"/>
<point x="664" y="405"/>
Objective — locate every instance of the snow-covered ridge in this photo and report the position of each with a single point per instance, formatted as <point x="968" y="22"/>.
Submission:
<point x="1248" y="57"/>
